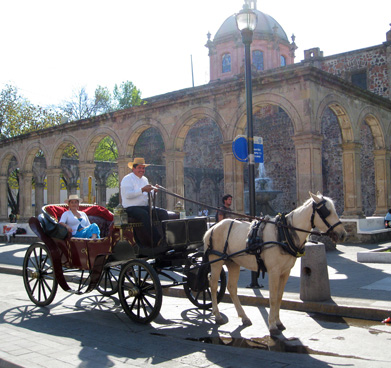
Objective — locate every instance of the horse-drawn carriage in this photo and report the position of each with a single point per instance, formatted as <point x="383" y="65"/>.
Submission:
<point x="118" y="262"/>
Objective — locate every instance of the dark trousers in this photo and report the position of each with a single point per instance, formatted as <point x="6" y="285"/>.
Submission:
<point x="141" y="213"/>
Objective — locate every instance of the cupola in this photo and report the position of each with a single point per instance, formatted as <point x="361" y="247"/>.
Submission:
<point x="270" y="47"/>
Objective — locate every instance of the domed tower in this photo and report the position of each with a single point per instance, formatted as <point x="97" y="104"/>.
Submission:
<point x="270" y="47"/>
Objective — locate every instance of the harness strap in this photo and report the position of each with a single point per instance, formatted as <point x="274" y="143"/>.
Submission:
<point x="323" y="213"/>
<point x="223" y="254"/>
<point x="254" y="246"/>
<point x="285" y="237"/>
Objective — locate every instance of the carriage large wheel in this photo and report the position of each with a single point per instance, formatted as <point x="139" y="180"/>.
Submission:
<point x="203" y="298"/>
<point x="140" y="291"/>
<point x="108" y="282"/>
<point x="38" y="274"/>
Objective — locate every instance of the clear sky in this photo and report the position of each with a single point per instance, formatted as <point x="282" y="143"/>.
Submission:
<point x="51" y="48"/>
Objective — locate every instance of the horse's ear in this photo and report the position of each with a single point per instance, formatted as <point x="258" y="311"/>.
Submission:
<point x="316" y="198"/>
<point x="319" y="194"/>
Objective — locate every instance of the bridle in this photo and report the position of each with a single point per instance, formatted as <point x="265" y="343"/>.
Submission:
<point x="323" y="212"/>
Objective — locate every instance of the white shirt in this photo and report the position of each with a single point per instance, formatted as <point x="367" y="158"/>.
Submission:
<point x="70" y="219"/>
<point x="131" y="193"/>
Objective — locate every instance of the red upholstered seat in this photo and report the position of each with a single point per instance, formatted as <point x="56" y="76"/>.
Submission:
<point x="96" y="214"/>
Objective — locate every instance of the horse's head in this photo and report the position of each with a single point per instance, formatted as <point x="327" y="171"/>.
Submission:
<point x="325" y="218"/>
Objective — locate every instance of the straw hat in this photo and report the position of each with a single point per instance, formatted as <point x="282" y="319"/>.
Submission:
<point x="73" y="197"/>
<point x="138" y="161"/>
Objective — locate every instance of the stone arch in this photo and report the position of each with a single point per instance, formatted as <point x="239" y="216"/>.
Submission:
<point x="31" y="151"/>
<point x="5" y="160"/>
<point x="368" y="115"/>
<point x="189" y="118"/>
<point x="338" y="105"/>
<point x="38" y="168"/>
<point x="96" y="138"/>
<point x="138" y="128"/>
<point x="59" y="148"/>
<point x="262" y="100"/>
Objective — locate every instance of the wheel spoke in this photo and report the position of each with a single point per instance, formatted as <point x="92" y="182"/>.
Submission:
<point x="140" y="291"/>
<point x="38" y="275"/>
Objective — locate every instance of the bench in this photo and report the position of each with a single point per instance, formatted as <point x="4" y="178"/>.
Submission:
<point x="366" y="230"/>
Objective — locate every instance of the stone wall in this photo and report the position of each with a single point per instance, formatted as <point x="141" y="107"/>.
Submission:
<point x="373" y="60"/>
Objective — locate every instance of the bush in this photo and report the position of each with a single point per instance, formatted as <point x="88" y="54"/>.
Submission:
<point x="113" y="202"/>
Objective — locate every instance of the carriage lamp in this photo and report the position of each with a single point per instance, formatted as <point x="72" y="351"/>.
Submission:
<point x="246" y="21"/>
<point x="120" y="216"/>
<point x="180" y="209"/>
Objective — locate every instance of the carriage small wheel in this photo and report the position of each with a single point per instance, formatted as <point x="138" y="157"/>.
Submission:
<point x="140" y="291"/>
<point x="38" y="275"/>
<point x="108" y="282"/>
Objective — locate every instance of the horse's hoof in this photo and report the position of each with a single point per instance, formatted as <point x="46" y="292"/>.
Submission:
<point x="281" y="327"/>
<point x="247" y="322"/>
<point x="220" y="321"/>
<point x="275" y="332"/>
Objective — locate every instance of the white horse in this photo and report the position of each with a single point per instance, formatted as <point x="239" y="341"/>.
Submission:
<point x="317" y="211"/>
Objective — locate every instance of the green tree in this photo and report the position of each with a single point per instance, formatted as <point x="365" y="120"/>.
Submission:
<point x="81" y="106"/>
<point x="126" y="95"/>
<point x="20" y="116"/>
<point x="106" y="150"/>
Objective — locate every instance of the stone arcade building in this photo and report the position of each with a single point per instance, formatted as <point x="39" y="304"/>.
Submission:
<point x="326" y="125"/>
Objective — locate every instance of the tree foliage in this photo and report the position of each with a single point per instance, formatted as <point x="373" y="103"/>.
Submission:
<point x="106" y="150"/>
<point x="81" y="106"/>
<point x="126" y="95"/>
<point x="20" y="116"/>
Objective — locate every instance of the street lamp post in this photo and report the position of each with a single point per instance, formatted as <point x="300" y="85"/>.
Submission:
<point x="246" y="21"/>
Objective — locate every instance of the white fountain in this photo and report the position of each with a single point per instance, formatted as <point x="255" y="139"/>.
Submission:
<point x="263" y="194"/>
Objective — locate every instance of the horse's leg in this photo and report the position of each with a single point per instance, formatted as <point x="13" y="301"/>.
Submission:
<point x="283" y="280"/>
<point x="213" y="283"/>
<point x="274" y="284"/>
<point x="233" y="278"/>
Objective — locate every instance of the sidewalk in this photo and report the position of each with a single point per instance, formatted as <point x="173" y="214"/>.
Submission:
<point x="358" y="290"/>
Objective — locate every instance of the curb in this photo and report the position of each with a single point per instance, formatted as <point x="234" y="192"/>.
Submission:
<point x="328" y="307"/>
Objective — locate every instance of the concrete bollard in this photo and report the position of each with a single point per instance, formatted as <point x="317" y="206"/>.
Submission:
<point x="314" y="278"/>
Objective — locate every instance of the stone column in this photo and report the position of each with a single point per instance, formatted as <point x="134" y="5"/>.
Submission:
<point x="100" y="193"/>
<point x="174" y="176"/>
<point x="308" y="165"/>
<point x="352" y="180"/>
<point x="25" y="194"/>
<point x="382" y="180"/>
<point x="53" y="184"/>
<point x="229" y="172"/>
<point x="238" y="192"/>
<point x="3" y="199"/>
<point x="39" y="197"/>
<point x="86" y="170"/>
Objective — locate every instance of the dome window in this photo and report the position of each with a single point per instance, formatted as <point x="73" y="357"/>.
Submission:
<point x="226" y="63"/>
<point x="282" y="60"/>
<point x="258" y="59"/>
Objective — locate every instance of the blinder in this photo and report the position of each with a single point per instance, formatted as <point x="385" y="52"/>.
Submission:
<point x="323" y="213"/>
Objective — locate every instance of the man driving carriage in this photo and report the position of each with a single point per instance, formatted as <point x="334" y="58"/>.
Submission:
<point x="134" y="193"/>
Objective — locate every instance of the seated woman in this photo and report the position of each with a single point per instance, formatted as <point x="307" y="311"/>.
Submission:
<point x="77" y="222"/>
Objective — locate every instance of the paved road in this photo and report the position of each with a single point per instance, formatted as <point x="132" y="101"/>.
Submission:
<point x="92" y="331"/>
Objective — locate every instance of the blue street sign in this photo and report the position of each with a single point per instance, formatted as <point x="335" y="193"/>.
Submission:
<point x="239" y="149"/>
<point x="258" y="150"/>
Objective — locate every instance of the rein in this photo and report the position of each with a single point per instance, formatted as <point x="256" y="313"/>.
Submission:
<point x="320" y="208"/>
